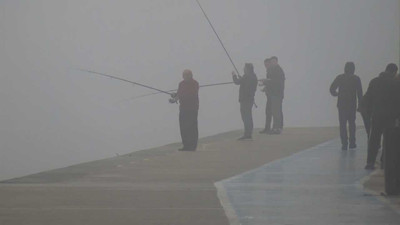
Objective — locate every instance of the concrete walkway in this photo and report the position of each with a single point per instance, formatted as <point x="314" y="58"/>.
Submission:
<point x="318" y="186"/>
<point x="160" y="186"/>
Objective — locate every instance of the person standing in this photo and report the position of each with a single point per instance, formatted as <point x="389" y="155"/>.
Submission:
<point x="188" y="97"/>
<point x="382" y="101"/>
<point x="266" y="90"/>
<point x="274" y="89"/>
<point x="247" y="90"/>
<point x="347" y="87"/>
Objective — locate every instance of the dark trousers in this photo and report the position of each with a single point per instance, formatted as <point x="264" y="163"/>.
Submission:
<point x="347" y="116"/>
<point x="247" y="117"/>
<point x="273" y="110"/>
<point x="268" y="114"/>
<point x="189" y="129"/>
<point x="378" y="128"/>
<point x="367" y="122"/>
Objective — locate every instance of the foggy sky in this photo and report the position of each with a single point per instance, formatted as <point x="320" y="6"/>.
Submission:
<point x="53" y="115"/>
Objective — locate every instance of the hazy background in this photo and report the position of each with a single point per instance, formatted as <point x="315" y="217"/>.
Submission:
<point x="53" y="115"/>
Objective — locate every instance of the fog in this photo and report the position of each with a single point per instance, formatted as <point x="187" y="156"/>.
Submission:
<point x="53" y="115"/>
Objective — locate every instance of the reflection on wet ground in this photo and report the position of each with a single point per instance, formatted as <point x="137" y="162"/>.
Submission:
<point x="320" y="185"/>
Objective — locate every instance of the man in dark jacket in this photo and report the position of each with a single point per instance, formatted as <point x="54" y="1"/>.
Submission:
<point x="247" y="90"/>
<point x="188" y="96"/>
<point x="382" y="102"/>
<point x="350" y="90"/>
<point x="268" y="109"/>
<point x="274" y="89"/>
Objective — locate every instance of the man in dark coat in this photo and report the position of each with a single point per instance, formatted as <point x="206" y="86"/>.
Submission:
<point x="347" y="87"/>
<point x="268" y="108"/>
<point x="274" y="89"/>
<point x="247" y="90"/>
<point x="188" y="96"/>
<point x="382" y="102"/>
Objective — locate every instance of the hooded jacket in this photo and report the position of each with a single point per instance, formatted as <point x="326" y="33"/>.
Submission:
<point x="248" y="87"/>
<point x="348" y="88"/>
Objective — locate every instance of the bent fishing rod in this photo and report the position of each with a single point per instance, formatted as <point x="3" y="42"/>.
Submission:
<point x="125" y="80"/>
<point x="219" y="39"/>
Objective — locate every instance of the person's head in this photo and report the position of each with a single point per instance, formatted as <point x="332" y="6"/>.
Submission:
<point x="274" y="60"/>
<point x="248" y="68"/>
<point x="349" y="68"/>
<point x="267" y="63"/>
<point x="187" y="74"/>
<point x="391" y="68"/>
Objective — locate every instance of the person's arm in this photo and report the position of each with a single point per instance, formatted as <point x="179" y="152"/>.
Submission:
<point x="175" y="96"/>
<point x="236" y="79"/>
<point x="359" y="90"/>
<point x="254" y="85"/>
<point x="366" y="101"/>
<point x="334" y="87"/>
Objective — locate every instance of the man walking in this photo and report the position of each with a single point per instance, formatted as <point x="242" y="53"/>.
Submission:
<point x="247" y="90"/>
<point x="188" y="96"/>
<point x="347" y="87"/>
<point x="382" y="100"/>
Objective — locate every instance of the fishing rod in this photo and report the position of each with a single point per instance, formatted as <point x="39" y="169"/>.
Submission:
<point x="171" y="91"/>
<point x="154" y="93"/>
<point x="216" y="34"/>
<point x="125" y="80"/>
<point x="220" y="41"/>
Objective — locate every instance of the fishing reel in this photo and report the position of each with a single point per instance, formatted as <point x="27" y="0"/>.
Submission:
<point x="174" y="98"/>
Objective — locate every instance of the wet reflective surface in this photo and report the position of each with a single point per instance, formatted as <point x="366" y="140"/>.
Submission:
<point x="317" y="186"/>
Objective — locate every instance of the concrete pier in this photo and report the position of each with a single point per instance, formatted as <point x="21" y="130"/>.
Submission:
<point x="166" y="186"/>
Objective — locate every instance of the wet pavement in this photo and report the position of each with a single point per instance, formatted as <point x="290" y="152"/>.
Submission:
<point x="320" y="185"/>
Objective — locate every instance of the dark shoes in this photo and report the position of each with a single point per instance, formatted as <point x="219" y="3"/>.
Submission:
<point x="276" y="131"/>
<point x="369" y="167"/>
<point x="273" y="131"/>
<point x="265" y="131"/>
<point x="244" y="138"/>
<point x="187" y="149"/>
<point x="352" y="146"/>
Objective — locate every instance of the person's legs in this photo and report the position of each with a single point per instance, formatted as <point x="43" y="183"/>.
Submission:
<point x="183" y="125"/>
<point x="268" y="117"/>
<point x="374" y="142"/>
<point x="281" y="115"/>
<point x="250" y="120"/>
<point x="193" y="131"/>
<point x="352" y="128"/>
<point x="246" y="112"/>
<point x="277" y="112"/>
<point x="343" y="128"/>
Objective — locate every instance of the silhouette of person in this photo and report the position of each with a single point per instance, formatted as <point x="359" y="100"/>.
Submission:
<point x="382" y="101"/>
<point x="247" y="90"/>
<point x="274" y="89"/>
<point x="347" y="87"/>
<point x="188" y="97"/>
